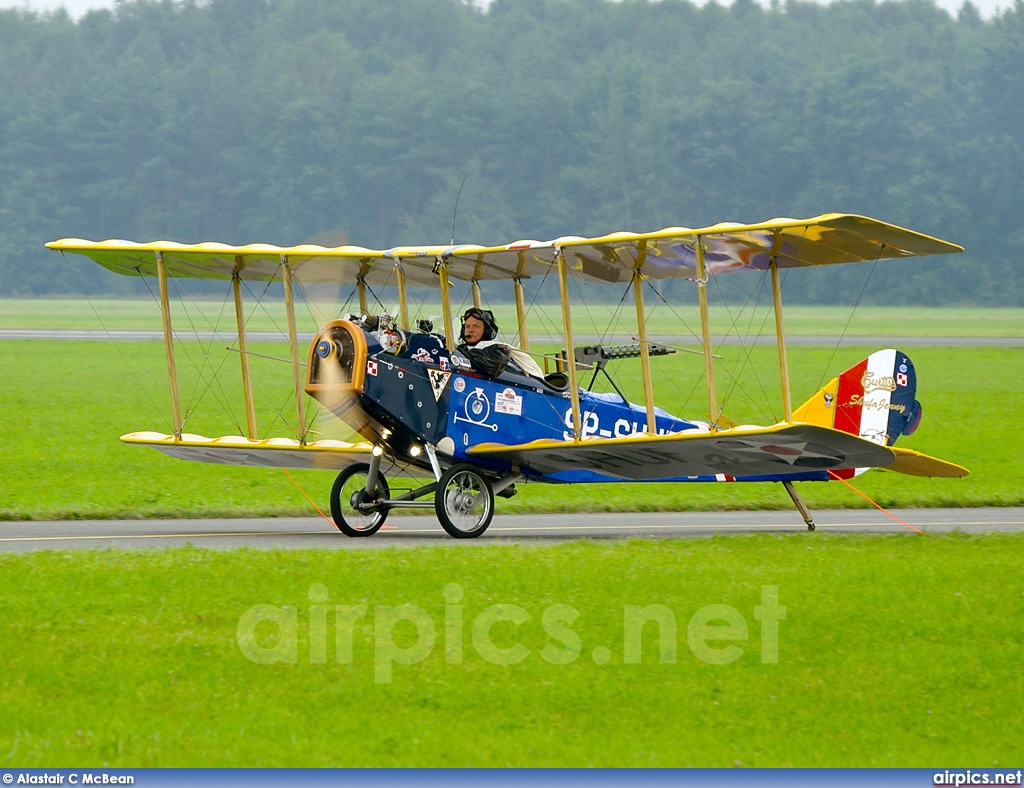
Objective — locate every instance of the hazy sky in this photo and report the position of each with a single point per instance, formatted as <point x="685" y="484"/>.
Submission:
<point x="78" y="7"/>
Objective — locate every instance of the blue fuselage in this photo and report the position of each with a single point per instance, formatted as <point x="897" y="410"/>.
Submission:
<point x="427" y="394"/>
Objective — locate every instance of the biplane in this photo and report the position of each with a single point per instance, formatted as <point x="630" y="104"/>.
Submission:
<point x="423" y="410"/>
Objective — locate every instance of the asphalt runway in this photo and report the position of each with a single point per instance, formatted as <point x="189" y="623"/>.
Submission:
<point x="417" y="531"/>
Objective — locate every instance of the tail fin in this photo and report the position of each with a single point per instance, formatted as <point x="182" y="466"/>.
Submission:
<point x="874" y="399"/>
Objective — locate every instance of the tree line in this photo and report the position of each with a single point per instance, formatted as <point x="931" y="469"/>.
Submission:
<point x="274" y="120"/>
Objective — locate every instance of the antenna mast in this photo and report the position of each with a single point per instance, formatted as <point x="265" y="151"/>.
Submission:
<point x="455" y="213"/>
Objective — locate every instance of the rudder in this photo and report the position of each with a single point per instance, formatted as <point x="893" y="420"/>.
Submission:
<point x="874" y="399"/>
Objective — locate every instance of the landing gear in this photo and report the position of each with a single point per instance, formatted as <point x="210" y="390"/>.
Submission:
<point x="799" y="505"/>
<point x="464" y="502"/>
<point x="462" y="497"/>
<point x="356" y="511"/>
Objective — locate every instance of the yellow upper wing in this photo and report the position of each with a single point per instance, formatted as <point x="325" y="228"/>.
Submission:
<point x="821" y="240"/>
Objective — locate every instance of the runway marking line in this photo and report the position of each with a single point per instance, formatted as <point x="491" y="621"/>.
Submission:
<point x="158" y="536"/>
<point x="499" y="528"/>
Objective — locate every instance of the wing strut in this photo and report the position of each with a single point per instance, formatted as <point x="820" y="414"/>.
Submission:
<point x="403" y="304"/>
<point x="293" y="346"/>
<point x="780" y="334"/>
<point x="165" y="312"/>
<point x="477" y="299"/>
<point x="446" y="303"/>
<point x="705" y="332"/>
<point x="570" y="349"/>
<point x="641" y="326"/>
<point x="524" y="339"/>
<point x="250" y="407"/>
<point x="361" y="288"/>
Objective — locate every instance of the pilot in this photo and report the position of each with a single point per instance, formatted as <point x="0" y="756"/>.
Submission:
<point x="488" y="355"/>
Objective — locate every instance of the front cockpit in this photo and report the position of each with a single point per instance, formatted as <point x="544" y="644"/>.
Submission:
<point x="407" y="391"/>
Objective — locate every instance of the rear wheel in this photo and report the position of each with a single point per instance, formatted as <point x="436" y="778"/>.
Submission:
<point x="464" y="502"/>
<point x="354" y="511"/>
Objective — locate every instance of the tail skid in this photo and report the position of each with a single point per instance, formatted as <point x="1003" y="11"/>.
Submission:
<point x="799" y="503"/>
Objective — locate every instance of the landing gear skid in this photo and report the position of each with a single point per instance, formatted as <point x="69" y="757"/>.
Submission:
<point x="799" y="505"/>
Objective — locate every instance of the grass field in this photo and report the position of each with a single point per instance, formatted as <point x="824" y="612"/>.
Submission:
<point x="894" y="651"/>
<point x="683" y="321"/>
<point x="66" y="403"/>
<point x="898" y="650"/>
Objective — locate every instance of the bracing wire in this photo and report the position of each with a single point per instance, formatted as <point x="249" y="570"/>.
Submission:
<point x="259" y="303"/>
<point x="746" y="352"/>
<point x="110" y="336"/>
<point x="849" y="320"/>
<point x="743" y="358"/>
<point x="418" y="312"/>
<point x="278" y="410"/>
<point x="459" y="309"/>
<point x="348" y="301"/>
<point x="729" y="332"/>
<point x="540" y="312"/>
<point x="193" y="404"/>
<point x="617" y="312"/>
<point x="199" y="370"/>
<point x="661" y="299"/>
<point x="586" y="307"/>
<point x="675" y="314"/>
<point x="375" y="298"/>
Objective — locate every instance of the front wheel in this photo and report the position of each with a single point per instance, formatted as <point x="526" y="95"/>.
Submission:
<point x="464" y="502"/>
<point x="355" y="512"/>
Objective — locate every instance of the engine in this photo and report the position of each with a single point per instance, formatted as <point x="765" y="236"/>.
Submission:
<point x="335" y="372"/>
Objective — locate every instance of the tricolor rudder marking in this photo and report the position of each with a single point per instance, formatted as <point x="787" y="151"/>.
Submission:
<point x="875" y="398"/>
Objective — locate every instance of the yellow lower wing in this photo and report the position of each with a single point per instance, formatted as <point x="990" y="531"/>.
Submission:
<point x="269" y="453"/>
<point x="782" y="449"/>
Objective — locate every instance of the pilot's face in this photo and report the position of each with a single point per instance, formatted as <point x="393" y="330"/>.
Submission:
<point x="473" y="330"/>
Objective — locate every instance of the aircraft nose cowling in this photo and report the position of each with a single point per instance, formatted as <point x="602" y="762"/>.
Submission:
<point x="336" y="368"/>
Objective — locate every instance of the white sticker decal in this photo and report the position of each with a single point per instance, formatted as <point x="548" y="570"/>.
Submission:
<point x="460" y="384"/>
<point x="508" y="402"/>
<point x="371" y="368"/>
<point x="477" y="408"/>
<point x="438" y="380"/>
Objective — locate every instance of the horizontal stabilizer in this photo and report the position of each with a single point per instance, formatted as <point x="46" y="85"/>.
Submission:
<point x="913" y="463"/>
